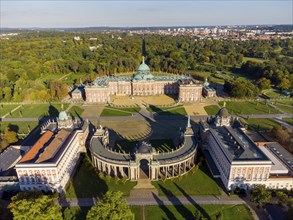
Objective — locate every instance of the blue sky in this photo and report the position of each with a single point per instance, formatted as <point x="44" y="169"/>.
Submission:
<point x="78" y="13"/>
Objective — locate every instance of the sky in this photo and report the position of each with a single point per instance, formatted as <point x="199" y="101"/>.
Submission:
<point x="79" y="13"/>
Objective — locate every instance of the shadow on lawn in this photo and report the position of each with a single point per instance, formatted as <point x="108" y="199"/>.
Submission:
<point x="192" y="201"/>
<point x="185" y="213"/>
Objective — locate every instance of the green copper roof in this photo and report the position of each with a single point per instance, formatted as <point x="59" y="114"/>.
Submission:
<point x="143" y="72"/>
<point x="63" y="116"/>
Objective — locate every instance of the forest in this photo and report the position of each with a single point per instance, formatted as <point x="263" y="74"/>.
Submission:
<point x="40" y="65"/>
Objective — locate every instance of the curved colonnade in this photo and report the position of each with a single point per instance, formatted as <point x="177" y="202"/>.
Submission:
<point x="144" y="162"/>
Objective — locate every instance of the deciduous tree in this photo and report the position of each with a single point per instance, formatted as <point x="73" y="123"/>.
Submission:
<point x="111" y="206"/>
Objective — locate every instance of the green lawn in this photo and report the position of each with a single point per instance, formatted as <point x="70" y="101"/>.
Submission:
<point x="203" y="74"/>
<point x="273" y="93"/>
<point x="245" y="59"/>
<point x="285" y="108"/>
<point x="38" y="110"/>
<point x="125" y="145"/>
<point x="212" y="109"/>
<point x="199" y="183"/>
<point x="110" y="111"/>
<point x="179" y="110"/>
<point x="249" y="108"/>
<point x="288" y="120"/>
<point x="87" y="183"/>
<point x="262" y="123"/>
<point x="137" y="210"/>
<point x="227" y="212"/>
<point x="75" y="111"/>
<point x="4" y="109"/>
<point x="163" y="145"/>
<point x="20" y="126"/>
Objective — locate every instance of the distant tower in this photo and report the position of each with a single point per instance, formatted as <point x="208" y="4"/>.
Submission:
<point x="143" y="50"/>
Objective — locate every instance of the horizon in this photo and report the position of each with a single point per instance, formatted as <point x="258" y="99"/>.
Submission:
<point x="130" y="14"/>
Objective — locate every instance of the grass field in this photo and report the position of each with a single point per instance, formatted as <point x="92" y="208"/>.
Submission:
<point x="285" y="108"/>
<point x="137" y="210"/>
<point x="76" y="111"/>
<point x="154" y="212"/>
<point x="211" y="109"/>
<point x="163" y="145"/>
<point x="199" y="183"/>
<point x="125" y="146"/>
<point x="260" y="60"/>
<point x="205" y="75"/>
<point x="227" y="212"/>
<point x="262" y="123"/>
<point x="87" y="183"/>
<point x="38" y="110"/>
<point x="110" y="111"/>
<point x="288" y="120"/>
<point x="273" y="93"/>
<point x="4" y="109"/>
<point x="20" y="126"/>
<point x="249" y="108"/>
<point x="179" y="110"/>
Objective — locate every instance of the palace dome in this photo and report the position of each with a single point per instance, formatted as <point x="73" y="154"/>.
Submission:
<point x="143" y="72"/>
<point x="63" y="116"/>
<point x="143" y="67"/>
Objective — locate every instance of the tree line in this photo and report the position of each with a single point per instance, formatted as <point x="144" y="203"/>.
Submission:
<point x="31" y="62"/>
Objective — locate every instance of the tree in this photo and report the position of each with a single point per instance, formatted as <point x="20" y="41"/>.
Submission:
<point x="282" y="197"/>
<point x="263" y="83"/>
<point x="111" y="206"/>
<point x="10" y="136"/>
<point x="198" y="216"/>
<point x="71" y="214"/>
<point x="34" y="205"/>
<point x="260" y="195"/>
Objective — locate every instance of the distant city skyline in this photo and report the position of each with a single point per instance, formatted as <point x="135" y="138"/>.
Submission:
<point x="64" y="14"/>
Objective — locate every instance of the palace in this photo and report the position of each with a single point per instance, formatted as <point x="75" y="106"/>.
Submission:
<point x="144" y="161"/>
<point x="238" y="161"/>
<point x="49" y="163"/>
<point x="143" y="83"/>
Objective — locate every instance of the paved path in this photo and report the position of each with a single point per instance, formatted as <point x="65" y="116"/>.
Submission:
<point x="13" y="110"/>
<point x="159" y="200"/>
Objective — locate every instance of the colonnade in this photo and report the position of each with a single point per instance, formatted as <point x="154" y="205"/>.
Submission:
<point x="131" y="169"/>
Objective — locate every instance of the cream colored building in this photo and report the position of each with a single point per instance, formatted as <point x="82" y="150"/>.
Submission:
<point x="234" y="158"/>
<point x="50" y="162"/>
<point x="143" y="83"/>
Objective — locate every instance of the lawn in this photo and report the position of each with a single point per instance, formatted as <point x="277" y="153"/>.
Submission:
<point x="285" y="108"/>
<point x="262" y="123"/>
<point x="75" y="111"/>
<point x="179" y="110"/>
<point x="249" y="108"/>
<point x="125" y="145"/>
<point x="288" y="120"/>
<point x="87" y="183"/>
<point x="163" y="145"/>
<point x="39" y="110"/>
<point x="110" y="111"/>
<point x="199" y="183"/>
<point x="212" y="109"/>
<point x="4" y="109"/>
<point x="203" y="75"/>
<point x="227" y="212"/>
<point x="137" y="210"/>
<point x="273" y="93"/>
<point x="19" y="126"/>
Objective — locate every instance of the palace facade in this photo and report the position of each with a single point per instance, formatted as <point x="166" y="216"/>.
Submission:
<point x="144" y="161"/>
<point x="240" y="162"/>
<point x="143" y="83"/>
<point x="50" y="162"/>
